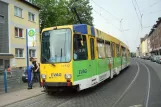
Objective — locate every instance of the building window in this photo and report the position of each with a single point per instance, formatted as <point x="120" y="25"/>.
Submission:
<point x="1" y="19"/>
<point x="18" y="32"/>
<point x="32" y="53"/>
<point x="19" y="52"/>
<point x="17" y="11"/>
<point x="31" y="16"/>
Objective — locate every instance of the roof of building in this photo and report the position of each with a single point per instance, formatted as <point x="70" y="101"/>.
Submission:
<point x="30" y="4"/>
<point x="155" y="26"/>
<point x="158" y="21"/>
<point x="141" y="39"/>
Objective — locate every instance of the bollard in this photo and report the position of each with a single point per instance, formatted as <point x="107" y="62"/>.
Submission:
<point x="5" y="81"/>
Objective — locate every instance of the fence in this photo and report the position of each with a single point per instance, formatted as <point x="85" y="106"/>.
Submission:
<point x="13" y="82"/>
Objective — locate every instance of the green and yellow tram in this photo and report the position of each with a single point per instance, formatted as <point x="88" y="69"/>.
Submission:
<point x="80" y="56"/>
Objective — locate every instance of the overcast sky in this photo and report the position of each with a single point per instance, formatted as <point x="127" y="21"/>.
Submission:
<point x="124" y="9"/>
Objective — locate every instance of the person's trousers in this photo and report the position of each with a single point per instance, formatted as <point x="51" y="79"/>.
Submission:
<point x="34" y="76"/>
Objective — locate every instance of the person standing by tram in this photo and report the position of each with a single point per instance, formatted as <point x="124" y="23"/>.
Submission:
<point x="36" y="72"/>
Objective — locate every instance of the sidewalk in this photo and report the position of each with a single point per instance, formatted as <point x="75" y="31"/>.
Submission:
<point x="12" y="97"/>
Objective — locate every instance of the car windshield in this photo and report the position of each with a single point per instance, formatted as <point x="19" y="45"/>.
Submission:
<point x="56" y="46"/>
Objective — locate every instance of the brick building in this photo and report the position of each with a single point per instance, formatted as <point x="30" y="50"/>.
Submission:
<point x="155" y="38"/>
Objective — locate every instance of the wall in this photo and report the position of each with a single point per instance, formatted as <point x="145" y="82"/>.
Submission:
<point x="146" y="46"/>
<point x="23" y="23"/>
<point x="143" y="48"/>
<point x="4" y="38"/>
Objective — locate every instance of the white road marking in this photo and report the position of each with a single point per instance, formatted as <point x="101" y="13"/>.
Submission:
<point x="149" y="79"/>
<point x="137" y="105"/>
<point x="128" y="85"/>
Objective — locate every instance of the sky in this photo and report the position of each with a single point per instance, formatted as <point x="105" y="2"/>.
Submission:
<point x="108" y="14"/>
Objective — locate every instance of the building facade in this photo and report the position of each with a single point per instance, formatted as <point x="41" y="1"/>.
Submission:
<point x="140" y="50"/>
<point x="149" y="45"/>
<point x="15" y="17"/>
<point x="155" y="38"/>
<point x="146" y="45"/>
<point x="142" y="46"/>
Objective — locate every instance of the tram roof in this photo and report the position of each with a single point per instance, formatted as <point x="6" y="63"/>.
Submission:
<point x="90" y="30"/>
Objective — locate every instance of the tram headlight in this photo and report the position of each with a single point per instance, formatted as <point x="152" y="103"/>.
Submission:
<point x="68" y="76"/>
<point x="43" y="76"/>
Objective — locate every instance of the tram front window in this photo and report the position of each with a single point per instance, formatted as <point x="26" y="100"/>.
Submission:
<point x="56" y="46"/>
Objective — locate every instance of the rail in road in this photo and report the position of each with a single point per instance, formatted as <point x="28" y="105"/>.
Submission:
<point x="137" y="86"/>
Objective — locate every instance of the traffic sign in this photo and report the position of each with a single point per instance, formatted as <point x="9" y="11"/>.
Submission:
<point x="31" y="35"/>
<point x="31" y="32"/>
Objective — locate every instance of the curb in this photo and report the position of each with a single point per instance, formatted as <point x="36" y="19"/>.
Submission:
<point x="21" y="100"/>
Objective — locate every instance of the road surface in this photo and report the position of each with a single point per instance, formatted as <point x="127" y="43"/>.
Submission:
<point x="137" y="86"/>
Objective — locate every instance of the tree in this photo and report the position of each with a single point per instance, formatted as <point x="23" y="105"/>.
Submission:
<point x="84" y="10"/>
<point x="58" y="12"/>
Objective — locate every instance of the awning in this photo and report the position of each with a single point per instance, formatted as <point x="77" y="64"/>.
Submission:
<point x="6" y="56"/>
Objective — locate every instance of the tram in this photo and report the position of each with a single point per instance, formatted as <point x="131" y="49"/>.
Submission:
<point x="80" y="56"/>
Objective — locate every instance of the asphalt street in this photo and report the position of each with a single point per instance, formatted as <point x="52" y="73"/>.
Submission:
<point x="137" y="86"/>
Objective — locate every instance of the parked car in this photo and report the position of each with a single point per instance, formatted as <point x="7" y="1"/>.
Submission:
<point x="146" y="57"/>
<point x="158" y="59"/>
<point x="150" y="57"/>
<point x="24" y="75"/>
<point x="154" y="58"/>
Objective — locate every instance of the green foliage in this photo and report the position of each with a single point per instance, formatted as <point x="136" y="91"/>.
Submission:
<point x="58" y="12"/>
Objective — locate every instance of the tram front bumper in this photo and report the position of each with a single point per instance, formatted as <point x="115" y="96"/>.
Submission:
<point x="57" y="84"/>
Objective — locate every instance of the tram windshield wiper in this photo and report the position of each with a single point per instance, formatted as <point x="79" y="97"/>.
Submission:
<point x="47" y="61"/>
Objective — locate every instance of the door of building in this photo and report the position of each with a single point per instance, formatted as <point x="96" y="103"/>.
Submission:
<point x="6" y="63"/>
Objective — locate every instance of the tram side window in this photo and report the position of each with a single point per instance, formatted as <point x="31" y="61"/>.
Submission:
<point x="108" y="49"/>
<point x="117" y="50"/>
<point x="123" y="52"/>
<point x="80" y="47"/>
<point x="92" y="48"/>
<point x="101" y="49"/>
<point x="112" y="49"/>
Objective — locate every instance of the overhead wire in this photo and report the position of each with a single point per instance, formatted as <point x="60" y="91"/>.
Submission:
<point x="138" y="7"/>
<point x="104" y="18"/>
<point x="106" y="11"/>
<point x="140" y="21"/>
<point x="107" y="20"/>
<point x="151" y="5"/>
<point x="154" y="11"/>
<point x="136" y="13"/>
<point x="121" y="27"/>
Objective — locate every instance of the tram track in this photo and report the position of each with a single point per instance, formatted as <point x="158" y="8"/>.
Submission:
<point x="129" y="86"/>
<point x="134" y="86"/>
<point x="137" y="86"/>
<point x="149" y="85"/>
